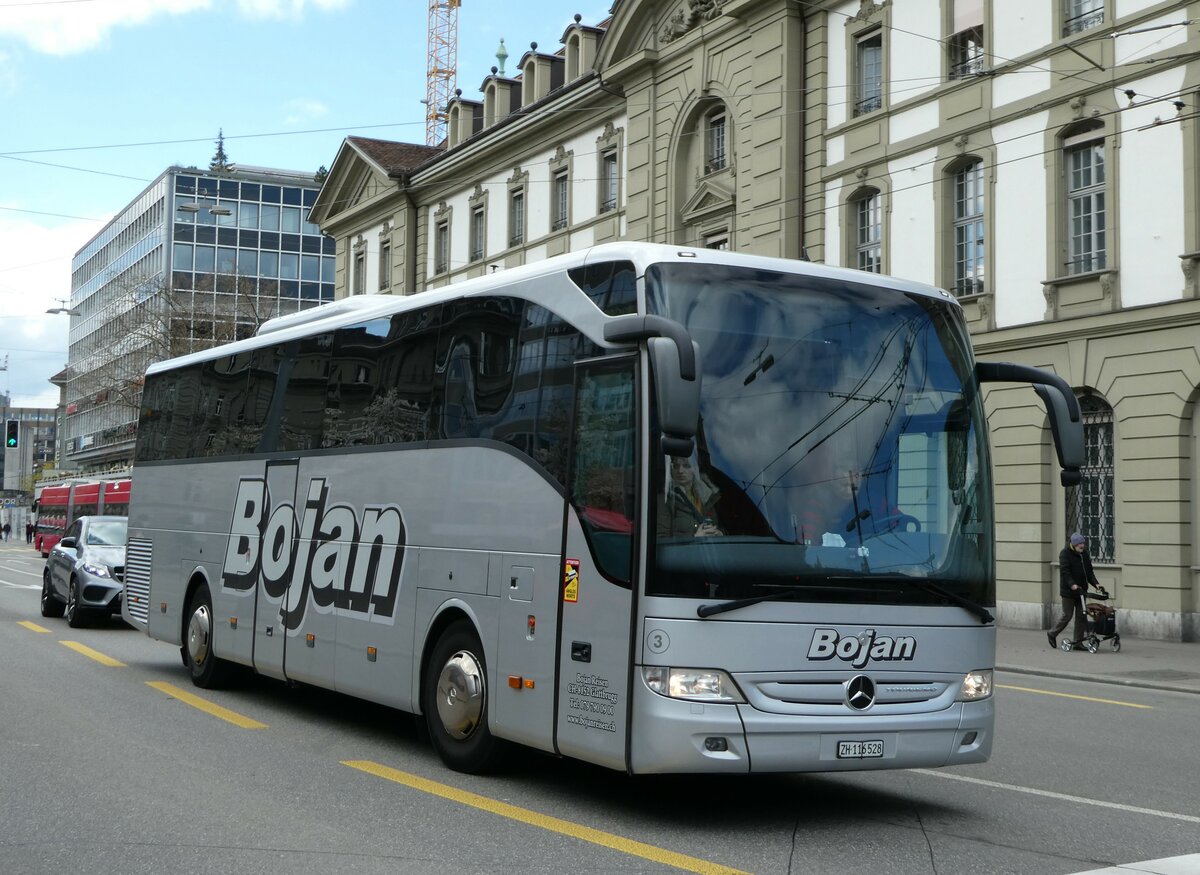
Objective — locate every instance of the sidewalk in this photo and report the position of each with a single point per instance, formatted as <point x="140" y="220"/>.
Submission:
<point x="1141" y="662"/>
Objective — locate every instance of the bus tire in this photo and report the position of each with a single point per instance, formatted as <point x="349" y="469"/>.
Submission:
<point x="52" y="605"/>
<point x="454" y="698"/>
<point x="207" y="671"/>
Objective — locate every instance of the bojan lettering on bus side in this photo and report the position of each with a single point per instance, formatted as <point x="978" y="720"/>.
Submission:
<point x="339" y="557"/>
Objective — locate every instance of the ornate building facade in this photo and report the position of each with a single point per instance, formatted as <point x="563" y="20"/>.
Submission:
<point x="1036" y="158"/>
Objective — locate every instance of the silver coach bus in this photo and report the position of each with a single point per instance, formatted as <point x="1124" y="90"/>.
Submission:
<point x="656" y="508"/>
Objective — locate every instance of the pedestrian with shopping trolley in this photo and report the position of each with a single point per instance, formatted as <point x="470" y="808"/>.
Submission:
<point x="1074" y="576"/>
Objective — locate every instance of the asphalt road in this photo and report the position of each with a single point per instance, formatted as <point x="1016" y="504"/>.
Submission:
<point x="102" y="772"/>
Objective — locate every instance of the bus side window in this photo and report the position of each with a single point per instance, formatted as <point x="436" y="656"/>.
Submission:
<point x="612" y="285"/>
<point x="477" y="362"/>
<point x="212" y="416"/>
<point x="301" y="418"/>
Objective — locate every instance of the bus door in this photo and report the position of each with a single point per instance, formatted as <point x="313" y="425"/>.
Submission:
<point x="596" y="601"/>
<point x="275" y="563"/>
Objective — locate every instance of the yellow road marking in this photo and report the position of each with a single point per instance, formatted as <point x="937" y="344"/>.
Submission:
<point x="92" y="654"/>
<point x="553" y="824"/>
<point x="1073" y="696"/>
<point x="204" y="705"/>
<point x="31" y="626"/>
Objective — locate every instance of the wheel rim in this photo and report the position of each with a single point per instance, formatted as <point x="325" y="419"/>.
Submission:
<point x="45" y="591"/>
<point x="72" y="599"/>
<point x="460" y="695"/>
<point x="199" y="628"/>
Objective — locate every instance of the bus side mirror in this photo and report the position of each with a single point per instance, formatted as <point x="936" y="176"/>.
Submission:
<point x="1068" y="435"/>
<point x="678" y="399"/>
<point x="1062" y="407"/>
<point x="674" y="361"/>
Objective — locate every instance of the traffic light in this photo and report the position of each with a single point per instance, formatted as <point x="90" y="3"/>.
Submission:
<point x="12" y="434"/>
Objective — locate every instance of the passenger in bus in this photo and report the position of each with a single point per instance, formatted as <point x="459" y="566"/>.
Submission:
<point x="689" y="503"/>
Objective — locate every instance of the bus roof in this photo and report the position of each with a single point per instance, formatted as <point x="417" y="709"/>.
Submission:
<point x="517" y="282"/>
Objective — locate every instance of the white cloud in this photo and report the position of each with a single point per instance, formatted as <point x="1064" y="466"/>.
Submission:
<point x="35" y="272"/>
<point x="8" y="74"/>
<point x="69" y="28"/>
<point x="286" y="8"/>
<point x="302" y="111"/>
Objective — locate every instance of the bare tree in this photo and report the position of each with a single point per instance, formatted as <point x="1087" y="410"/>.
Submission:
<point x="147" y="322"/>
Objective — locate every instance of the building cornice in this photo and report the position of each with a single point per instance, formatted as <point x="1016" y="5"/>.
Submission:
<point x="1131" y="320"/>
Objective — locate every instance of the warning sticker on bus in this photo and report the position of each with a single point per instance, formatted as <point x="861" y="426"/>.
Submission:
<point x="571" y="581"/>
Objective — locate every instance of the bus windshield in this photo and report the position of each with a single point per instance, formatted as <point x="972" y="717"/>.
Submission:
<point x="841" y="453"/>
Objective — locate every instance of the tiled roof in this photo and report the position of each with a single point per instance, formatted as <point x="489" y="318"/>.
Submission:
<point x="394" y="157"/>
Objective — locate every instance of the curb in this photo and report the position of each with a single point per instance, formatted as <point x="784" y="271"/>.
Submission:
<point x="1098" y="679"/>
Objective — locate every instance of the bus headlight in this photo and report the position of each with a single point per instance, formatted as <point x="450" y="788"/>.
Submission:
<point x="975" y="686"/>
<point x="692" y="684"/>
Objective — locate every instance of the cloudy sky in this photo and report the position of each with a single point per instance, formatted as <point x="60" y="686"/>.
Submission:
<point x="100" y="96"/>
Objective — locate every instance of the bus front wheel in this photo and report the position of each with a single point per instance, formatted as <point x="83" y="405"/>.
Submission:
<point x="455" y="701"/>
<point x="208" y="672"/>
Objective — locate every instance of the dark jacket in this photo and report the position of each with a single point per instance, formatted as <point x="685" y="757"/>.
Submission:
<point x="678" y="516"/>
<point x="1075" y="568"/>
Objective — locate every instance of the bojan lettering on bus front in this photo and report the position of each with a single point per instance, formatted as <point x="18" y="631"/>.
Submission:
<point x="342" y="559"/>
<point x="590" y="695"/>
<point x="860" y="649"/>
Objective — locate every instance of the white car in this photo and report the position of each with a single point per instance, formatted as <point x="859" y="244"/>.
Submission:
<point x="85" y="572"/>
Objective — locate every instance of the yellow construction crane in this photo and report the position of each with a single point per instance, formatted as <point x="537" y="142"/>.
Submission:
<point x="441" y="67"/>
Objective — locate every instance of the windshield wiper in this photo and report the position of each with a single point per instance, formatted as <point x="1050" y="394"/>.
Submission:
<point x="796" y="590"/>
<point x="781" y="594"/>
<point x="975" y="608"/>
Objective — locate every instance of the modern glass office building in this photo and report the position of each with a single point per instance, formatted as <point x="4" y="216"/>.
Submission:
<point x="200" y="257"/>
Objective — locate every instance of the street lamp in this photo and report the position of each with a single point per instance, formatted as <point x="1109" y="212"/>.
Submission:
<point x="63" y="308"/>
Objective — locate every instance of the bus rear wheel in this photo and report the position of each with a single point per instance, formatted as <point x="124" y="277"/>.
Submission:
<point x="455" y="701"/>
<point x="208" y="672"/>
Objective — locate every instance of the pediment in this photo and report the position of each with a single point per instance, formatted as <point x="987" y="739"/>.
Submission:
<point x="711" y="196"/>
<point x="364" y="169"/>
<point x="651" y="25"/>
<point x="352" y="181"/>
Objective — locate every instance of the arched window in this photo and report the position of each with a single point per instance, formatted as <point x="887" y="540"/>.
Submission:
<point x="1091" y="505"/>
<point x="969" y="228"/>
<point x="868" y="231"/>
<point x="715" y="140"/>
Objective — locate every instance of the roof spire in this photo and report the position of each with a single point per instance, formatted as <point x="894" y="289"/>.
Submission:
<point x="501" y="55"/>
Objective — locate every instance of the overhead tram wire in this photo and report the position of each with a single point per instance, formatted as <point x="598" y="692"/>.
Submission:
<point x="661" y="236"/>
<point x="666" y="234"/>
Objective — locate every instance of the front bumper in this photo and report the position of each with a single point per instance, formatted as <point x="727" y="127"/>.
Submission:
<point x="99" y="594"/>
<point x="689" y="737"/>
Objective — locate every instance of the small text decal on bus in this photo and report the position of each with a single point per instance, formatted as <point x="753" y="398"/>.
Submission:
<point x="344" y="561"/>
<point x="860" y="649"/>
